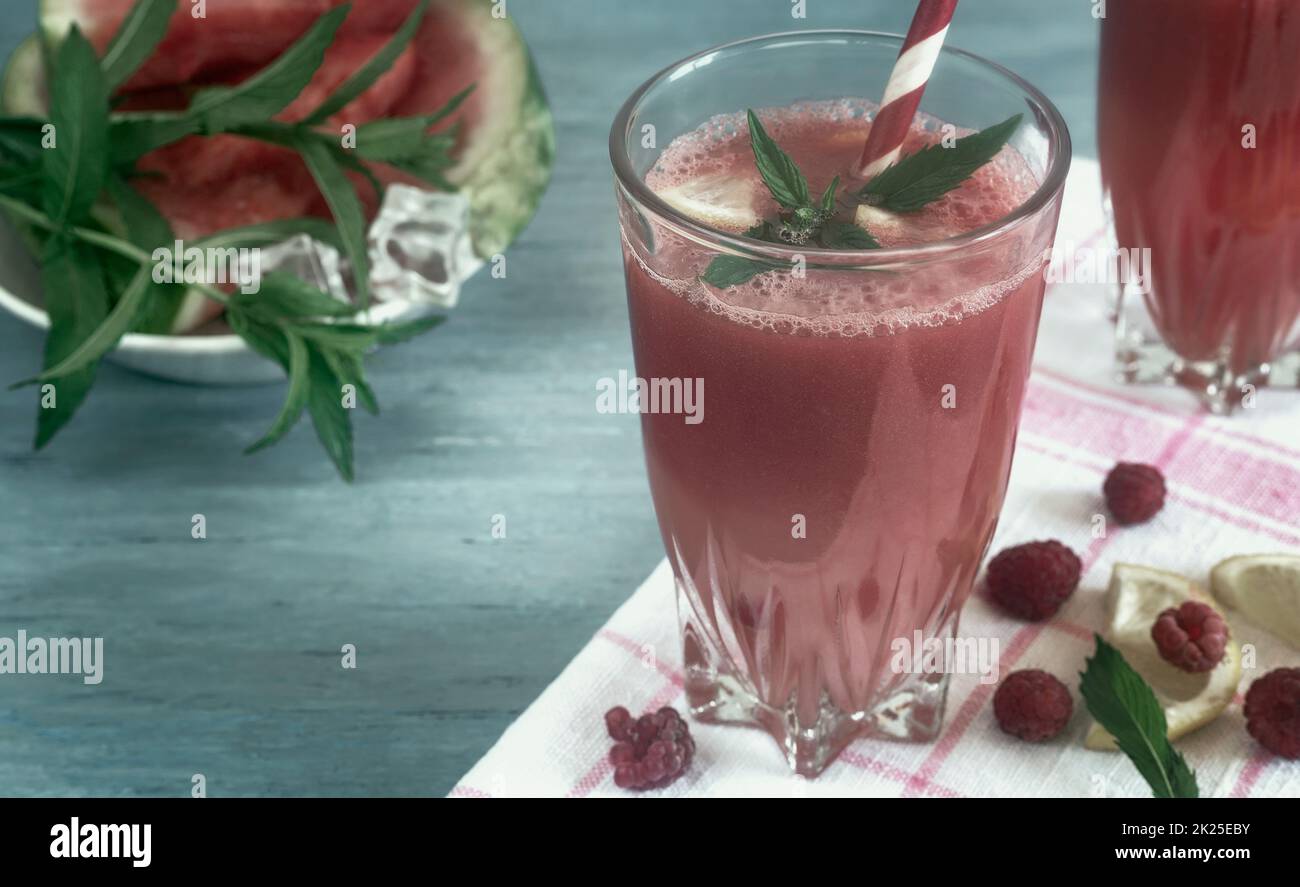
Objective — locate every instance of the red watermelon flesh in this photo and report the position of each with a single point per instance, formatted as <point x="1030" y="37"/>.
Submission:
<point x="197" y="182"/>
<point x="233" y="34"/>
<point x="342" y="60"/>
<point x="441" y="46"/>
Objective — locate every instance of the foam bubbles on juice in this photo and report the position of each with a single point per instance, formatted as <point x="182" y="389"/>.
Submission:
<point x="825" y="139"/>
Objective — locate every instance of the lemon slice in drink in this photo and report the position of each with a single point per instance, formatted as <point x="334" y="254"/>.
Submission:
<point x="1137" y="596"/>
<point x="720" y="201"/>
<point x="1265" y="588"/>
<point x="876" y="221"/>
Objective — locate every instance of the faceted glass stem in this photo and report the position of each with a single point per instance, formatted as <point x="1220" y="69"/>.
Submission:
<point x="909" y="708"/>
<point x="1143" y="358"/>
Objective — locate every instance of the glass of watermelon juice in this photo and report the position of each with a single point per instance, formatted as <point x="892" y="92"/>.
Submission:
<point x="826" y="512"/>
<point x="1199" y="132"/>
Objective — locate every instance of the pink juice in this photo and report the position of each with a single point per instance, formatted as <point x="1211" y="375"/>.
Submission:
<point x="877" y="410"/>
<point x="1179" y="83"/>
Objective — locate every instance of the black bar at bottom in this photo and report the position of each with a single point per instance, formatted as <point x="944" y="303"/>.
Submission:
<point x="332" y="837"/>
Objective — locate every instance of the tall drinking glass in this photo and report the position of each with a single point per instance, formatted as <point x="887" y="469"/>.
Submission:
<point x="838" y="486"/>
<point x="1199" y="132"/>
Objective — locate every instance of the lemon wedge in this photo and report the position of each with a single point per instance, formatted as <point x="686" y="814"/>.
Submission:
<point x="1137" y="595"/>
<point x="1265" y="588"/>
<point x="874" y="220"/>
<point x="720" y="201"/>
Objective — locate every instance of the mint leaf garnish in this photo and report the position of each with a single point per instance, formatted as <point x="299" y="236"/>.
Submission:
<point x="782" y="177"/>
<point x="346" y="208"/>
<point x="726" y="271"/>
<point x="270" y="233"/>
<point x="272" y="89"/>
<point x="404" y="138"/>
<point x="360" y="339"/>
<point x="803" y="221"/>
<point x="75" y="168"/>
<point x="319" y="358"/>
<point x="1127" y="707"/>
<point x="932" y="172"/>
<point x="73" y="171"/>
<point x="365" y="78"/>
<point x="148" y="229"/>
<point x="102" y="337"/>
<point x="332" y="420"/>
<point x="135" y="134"/>
<point x="76" y="300"/>
<point x="845" y="235"/>
<point x="407" y="144"/>
<point x="20" y="140"/>
<point x="298" y="366"/>
<point x="136" y="39"/>
<point x="284" y="296"/>
<point x="828" y="198"/>
<point x="397" y="333"/>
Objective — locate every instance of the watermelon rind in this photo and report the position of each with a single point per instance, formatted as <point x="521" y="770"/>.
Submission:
<point x="23" y="92"/>
<point x="505" y="164"/>
<point x="58" y="16"/>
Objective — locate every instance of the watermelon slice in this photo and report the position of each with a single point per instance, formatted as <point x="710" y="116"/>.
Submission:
<point x="232" y="33"/>
<point x="506" y="142"/>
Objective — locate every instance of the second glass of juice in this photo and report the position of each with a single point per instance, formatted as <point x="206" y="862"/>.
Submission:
<point x="835" y="491"/>
<point x="1199" y="134"/>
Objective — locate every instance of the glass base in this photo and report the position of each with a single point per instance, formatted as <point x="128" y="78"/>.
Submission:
<point x="1144" y="359"/>
<point x="911" y="709"/>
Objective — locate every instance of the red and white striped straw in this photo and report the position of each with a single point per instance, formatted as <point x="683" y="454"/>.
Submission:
<point x="906" y="86"/>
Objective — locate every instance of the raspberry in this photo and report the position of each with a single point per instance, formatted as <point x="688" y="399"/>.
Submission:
<point x="1032" y="705"/>
<point x="651" y="751"/>
<point x="1134" y="492"/>
<point x="1273" y="712"/>
<point x="617" y="722"/>
<point x="1191" y="637"/>
<point x="1034" y="579"/>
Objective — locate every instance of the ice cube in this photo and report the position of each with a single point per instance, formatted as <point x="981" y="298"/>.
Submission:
<point x="310" y="260"/>
<point x="420" y="248"/>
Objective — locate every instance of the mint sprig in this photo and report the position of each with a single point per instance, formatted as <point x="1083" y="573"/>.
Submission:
<point x="907" y="186"/>
<point x="98" y="286"/>
<point x="930" y="173"/>
<point x="282" y="322"/>
<point x="1127" y="707"/>
<point x="804" y="220"/>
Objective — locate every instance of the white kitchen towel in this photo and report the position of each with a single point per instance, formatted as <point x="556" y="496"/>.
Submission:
<point x="1234" y="488"/>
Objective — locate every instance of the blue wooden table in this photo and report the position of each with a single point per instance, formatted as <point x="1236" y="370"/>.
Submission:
<point x="222" y="656"/>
